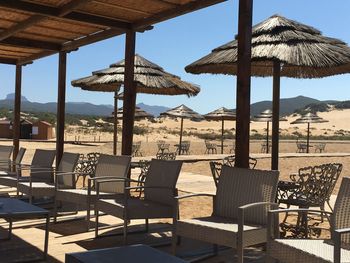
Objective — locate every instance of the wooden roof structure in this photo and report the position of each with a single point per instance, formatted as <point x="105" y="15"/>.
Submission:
<point x="33" y="29"/>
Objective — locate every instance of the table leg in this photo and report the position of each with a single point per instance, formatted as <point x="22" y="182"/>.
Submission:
<point x="46" y="244"/>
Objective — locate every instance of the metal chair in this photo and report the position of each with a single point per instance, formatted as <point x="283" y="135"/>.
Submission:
<point x="210" y="147"/>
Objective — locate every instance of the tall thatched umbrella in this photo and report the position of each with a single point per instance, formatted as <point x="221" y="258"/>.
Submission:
<point x="266" y="116"/>
<point x="149" y="78"/>
<point x="222" y="114"/>
<point x="308" y="118"/>
<point x="182" y="112"/>
<point x="281" y="47"/>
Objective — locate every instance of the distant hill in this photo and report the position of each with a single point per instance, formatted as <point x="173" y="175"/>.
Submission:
<point x="11" y="96"/>
<point x="287" y="106"/>
<point x="154" y="110"/>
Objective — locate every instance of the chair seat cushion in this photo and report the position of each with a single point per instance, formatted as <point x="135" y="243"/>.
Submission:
<point x="38" y="189"/>
<point x="11" y="181"/>
<point x="219" y="230"/>
<point x="304" y="250"/>
<point x="79" y="196"/>
<point x="137" y="208"/>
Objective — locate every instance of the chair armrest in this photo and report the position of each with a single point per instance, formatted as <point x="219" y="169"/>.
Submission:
<point x="342" y="231"/>
<point x="193" y="195"/>
<point x="112" y="179"/>
<point x="247" y="206"/>
<point x="148" y="187"/>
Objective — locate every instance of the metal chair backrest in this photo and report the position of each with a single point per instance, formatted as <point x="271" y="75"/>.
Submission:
<point x="162" y="174"/>
<point x="215" y="168"/>
<point x="113" y="166"/>
<point x="240" y="186"/>
<point x="230" y="161"/>
<point x="166" y="156"/>
<point x="341" y="215"/>
<point x="316" y="183"/>
<point x="68" y="163"/>
<point x="5" y="153"/>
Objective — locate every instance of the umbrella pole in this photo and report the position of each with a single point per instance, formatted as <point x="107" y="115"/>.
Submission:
<point x="181" y="129"/>
<point x="267" y="136"/>
<point x="115" y="132"/>
<point x="275" y="113"/>
<point x="222" y="136"/>
<point x="308" y="137"/>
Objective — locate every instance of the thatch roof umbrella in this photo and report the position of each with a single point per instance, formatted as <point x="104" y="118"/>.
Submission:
<point x="149" y="78"/>
<point x="308" y="118"/>
<point x="139" y="114"/>
<point x="266" y="116"/>
<point x="182" y="112"/>
<point x="221" y="114"/>
<point x="281" y="47"/>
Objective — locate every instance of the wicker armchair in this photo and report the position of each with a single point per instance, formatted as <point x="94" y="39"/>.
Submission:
<point x="240" y="208"/>
<point x="47" y="188"/>
<point x="109" y="166"/>
<point x="42" y="160"/>
<point x="313" y="250"/>
<point x="158" y="201"/>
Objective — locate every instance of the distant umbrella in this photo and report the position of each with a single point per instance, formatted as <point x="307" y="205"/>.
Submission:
<point x="221" y="114"/>
<point x="309" y="118"/>
<point x="266" y="116"/>
<point x="139" y="114"/>
<point x="149" y="78"/>
<point x="281" y="47"/>
<point x="182" y="112"/>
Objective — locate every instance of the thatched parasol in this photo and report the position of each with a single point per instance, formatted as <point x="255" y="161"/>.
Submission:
<point x="281" y="47"/>
<point x="309" y="118"/>
<point x="266" y="116"/>
<point x="149" y="77"/>
<point x="139" y="114"/>
<point x="182" y="112"/>
<point x="221" y="114"/>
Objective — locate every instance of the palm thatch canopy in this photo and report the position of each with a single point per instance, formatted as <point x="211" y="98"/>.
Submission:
<point x="183" y="112"/>
<point x="149" y="77"/>
<point x="266" y="116"/>
<point x="309" y="118"/>
<point x="301" y="49"/>
<point x="221" y="114"/>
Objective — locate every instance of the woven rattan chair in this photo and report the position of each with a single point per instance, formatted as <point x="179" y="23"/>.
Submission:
<point x="108" y="166"/>
<point x="5" y="153"/>
<point x="240" y="207"/>
<point x="158" y="201"/>
<point x="42" y="160"/>
<point x="9" y="165"/>
<point x="310" y="250"/>
<point x="47" y="189"/>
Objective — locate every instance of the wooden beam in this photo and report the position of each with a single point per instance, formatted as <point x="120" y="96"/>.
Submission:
<point x="10" y="61"/>
<point x="17" y="111"/>
<point x="243" y="83"/>
<point x="275" y="114"/>
<point x="31" y="43"/>
<point x="30" y="59"/>
<point x="61" y="101"/>
<point x="174" y="12"/>
<point x="129" y="93"/>
<point x="55" y="12"/>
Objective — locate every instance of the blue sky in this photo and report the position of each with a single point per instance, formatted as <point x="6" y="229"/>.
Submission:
<point x="178" y="42"/>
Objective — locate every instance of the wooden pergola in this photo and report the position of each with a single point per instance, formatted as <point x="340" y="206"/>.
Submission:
<point x="38" y="28"/>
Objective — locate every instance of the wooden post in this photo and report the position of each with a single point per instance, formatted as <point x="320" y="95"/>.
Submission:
<point x="129" y="93"/>
<point x="181" y="130"/>
<point x="308" y="138"/>
<point x="275" y="114"/>
<point x="61" y="103"/>
<point x="267" y="136"/>
<point x="17" y="112"/>
<point x="243" y="83"/>
<point x="115" y="131"/>
<point x="222" y="135"/>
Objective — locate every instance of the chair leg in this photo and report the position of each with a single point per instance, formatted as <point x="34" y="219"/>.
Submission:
<point x="125" y="232"/>
<point x="96" y="222"/>
<point x="55" y="211"/>
<point x="215" y="249"/>
<point x="240" y="253"/>
<point x="147" y="225"/>
<point x="88" y="215"/>
<point x="174" y="242"/>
